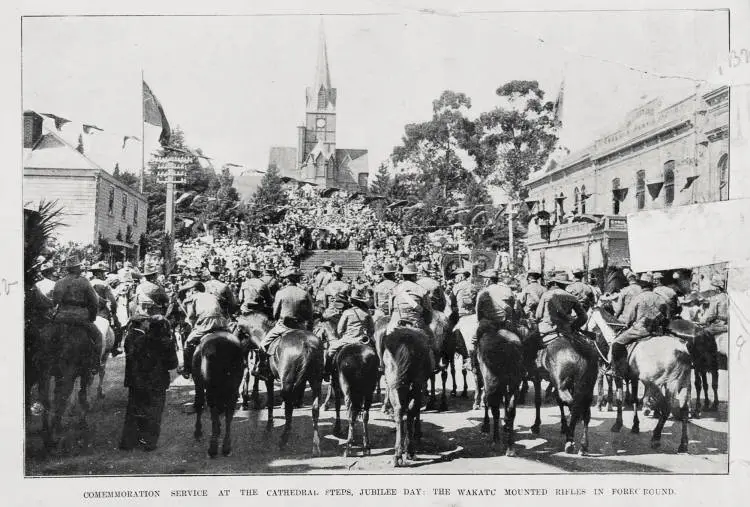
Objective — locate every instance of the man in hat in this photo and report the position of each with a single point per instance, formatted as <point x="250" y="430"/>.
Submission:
<point x="383" y="291"/>
<point x="464" y="294"/>
<point x="45" y="284"/>
<point x="412" y="306"/>
<point x="646" y="316"/>
<point x="669" y="295"/>
<point x="205" y="314"/>
<point x="556" y="307"/>
<point x="269" y="278"/>
<point x="221" y="290"/>
<point x="622" y="303"/>
<point x="128" y="272"/>
<point x="322" y="279"/>
<point x="433" y="288"/>
<point x="292" y="309"/>
<point x="691" y="309"/>
<point x="150" y="297"/>
<point x="253" y="288"/>
<point x="716" y="316"/>
<point x="335" y="287"/>
<point x="495" y="302"/>
<point x="582" y="291"/>
<point x="107" y="302"/>
<point x="355" y="325"/>
<point x="532" y="293"/>
<point x="77" y="304"/>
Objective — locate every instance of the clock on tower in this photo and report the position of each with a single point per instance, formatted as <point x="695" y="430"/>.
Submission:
<point x="321" y="123"/>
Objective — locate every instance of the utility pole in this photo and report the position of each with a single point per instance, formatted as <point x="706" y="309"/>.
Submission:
<point x="511" y="246"/>
<point x="171" y="172"/>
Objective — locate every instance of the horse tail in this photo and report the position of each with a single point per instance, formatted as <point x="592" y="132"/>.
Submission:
<point x="405" y="347"/>
<point x="304" y="364"/>
<point x="677" y="383"/>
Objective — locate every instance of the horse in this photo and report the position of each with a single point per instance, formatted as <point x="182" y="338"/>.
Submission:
<point x="66" y="356"/>
<point x="571" y="363"/>
<point x="217" y="373"/>
<point x="297" y="359"/>
<point x="465" y="330"/>
<point x="355" y="375"/>
<point x="254" y="327"/>
<point x="380" y="328"/>
<point x="445" y="350"/>
<point x="405" y="353"/>
<point x="704" y="353"/>
<point x="108" y="342"/>
<point x="500" y="361"/>
<point x="326" y="331"/>
<point x="660" y="362"/>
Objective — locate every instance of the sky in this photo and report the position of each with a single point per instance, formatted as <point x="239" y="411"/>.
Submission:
<point x="236" y="85"/>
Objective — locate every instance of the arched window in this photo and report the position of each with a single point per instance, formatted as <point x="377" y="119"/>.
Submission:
<point x="640" y="189"/>
<point x="724" y="178"/>
<point x="615" y="197"/>
<point x="583" y="199"/>
<point x="576" y="198"/>
<point x="544" y="205"/>
<point x="329" y="170"/>
<point x="322" y="98"/>
<point x="669" y="183"/>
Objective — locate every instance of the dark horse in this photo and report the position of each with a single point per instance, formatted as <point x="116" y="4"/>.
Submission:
<point x="355" y="375"/>
<point x="217" y="372"/>
<point x="297" y="360"/>
<point x="66" y="356"/>
<point x="405" y="353"/>
<point x="500" y="361"/>
<point x="704" y="353"/>
<point x="445" y="351"/>
<point x="251" y="328"/>
<point x="572" y="367"/>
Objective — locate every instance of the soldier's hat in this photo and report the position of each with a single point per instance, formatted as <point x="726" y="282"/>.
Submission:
<point x="717" y="281"/>
<point x="327" y="264"/>
<point x="461" y="271"/>
<point x="389" y="268"/>
<point x="99" y="266"/>
<point x="254" y="268"/>
<point x="409" y="269"/>
<point x="359" y="294"/>
<point x="646" y="279"/>
<point x="577" y="272"/>
<point x="630" y="275"/>
<point x="47" y="266"/>
<point x="113" y="280"/>
<point x="291" y="272"/>
<point x="192" y="284"/>
<point x="214" y="267"/>
<point x="658" y="275"/>
<point x="490" y="273"/>
<point x="150" y="269"/>
<point x="534" y="273"/>
<point x="561" y="278"/>
<point x="73" y="261"/>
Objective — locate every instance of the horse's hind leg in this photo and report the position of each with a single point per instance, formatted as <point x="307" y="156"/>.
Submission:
<point x="564" y="427"/>
<point x="83" y="400"/>
<point x="510" y="417"/>
<point x="352" y="421"/>
<point x="289" y="399"/>
<point x="570" y="435"/>
<point x="617" y="426"/>
<point x="226" y="447"/>
<point x="443" y="396"/>
<point x="431" y="398"/>
<point x="213" y="446"/>
<point x="683" y="401"/>
<point x="365" y="425"/>
<point x="198" y="402"/>
<point x="698" y="383"/>
<point x="316" y="389"/>
<point x="636" y="428"/>
<point x="331" y="391"/>
<point x="715" y="387"/>
<point x="335" y="386"/>
<point x="661" y="407"/>
<point x="452" y="366"/>
<point x="245" y="387"/>
<point x="478" y="385"/>
<point x="537" y="404"/>
<point x="586" y="416"/>
<point x="269" y="404"/>
<point x="255" y="394"/>
<point x="102" y="370"/>
<point x="398" y="418"/>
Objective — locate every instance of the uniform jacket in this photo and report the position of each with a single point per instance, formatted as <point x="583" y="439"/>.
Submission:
<point x="225" y="295"/>
<point x="355" y="324"/>
<point x="530" y="296"/>
<point x="46" y="286"/>
<point x="465" y="295"/>
<point x="321" y="280"/>
<point x="410" y="301"/>
<point x="255" y="288"/>
<point x="648" y="312"/>
<point x="622" y="304"/>
<point x="272" y="283"/>
<point x="333" y="289"/>
<point x="148" y="360"/>
<point x="202" y="306"/>
<point x="107" y="301"/>
<point x="382" y="293"/>
<point x="555" y="310"/>
<point x="718" y="309"/>
<point x="75" y="298"/>
<point x="437" y="294"/>
<point x="493" y="303"/>
<point x="583" y="293"/>
<point x="151" y="292"/>
<point x="294" y="302"/>
<point x="670" y="297"/>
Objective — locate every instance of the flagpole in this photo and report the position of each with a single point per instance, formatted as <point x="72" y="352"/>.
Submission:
<point x="143" y="135"/>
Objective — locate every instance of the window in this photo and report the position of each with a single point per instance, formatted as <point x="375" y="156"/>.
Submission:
<point x="329" y="170"/>
<point x="615" y="196"/>
<point x="322" y="98"/>
<point x="135" y="213"/>
<point x="640" y="189"/>
<point x="669" y="183"/>
<point x="724" y="178"/>
<point x="321" y="167"/>
<point x="362" y="181"/>
<point x="576" y="199"/>
<point x="124" y="205"/>
<point x="583" y="199"/>
<point x="111" y="205"/>
<point x="544" y="205"/>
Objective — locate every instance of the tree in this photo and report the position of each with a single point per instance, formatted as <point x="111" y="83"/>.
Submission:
<point x="514" y="140"/>
<point x="269" y="199"/>
<point x="382" y="183"/>
<point x="127" y="178"/>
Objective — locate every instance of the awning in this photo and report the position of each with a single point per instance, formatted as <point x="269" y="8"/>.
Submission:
<point x="563" y="258"/>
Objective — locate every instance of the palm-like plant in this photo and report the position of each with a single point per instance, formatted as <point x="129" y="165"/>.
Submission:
<point x="39" y="224"/>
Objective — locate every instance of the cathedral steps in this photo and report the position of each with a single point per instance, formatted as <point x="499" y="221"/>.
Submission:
<point x="349" y="260"/>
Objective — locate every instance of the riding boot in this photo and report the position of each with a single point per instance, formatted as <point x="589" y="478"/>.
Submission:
<point x="327" y="367"/>
<point x="262" y="368"/>
<point x="187" y="363"/>
<point x="616" y="363"/>
<point x="118" y="339"/>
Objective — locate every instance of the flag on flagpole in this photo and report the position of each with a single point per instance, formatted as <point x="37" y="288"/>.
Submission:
<point x="153" y="114"/>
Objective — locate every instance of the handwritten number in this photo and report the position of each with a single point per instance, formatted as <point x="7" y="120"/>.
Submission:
<point x="740" y="343"/>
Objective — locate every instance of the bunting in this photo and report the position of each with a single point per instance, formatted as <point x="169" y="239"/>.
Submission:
<point x="59" y="120"/>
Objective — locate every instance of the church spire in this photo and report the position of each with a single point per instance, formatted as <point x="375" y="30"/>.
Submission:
<point x="322" y="73"/>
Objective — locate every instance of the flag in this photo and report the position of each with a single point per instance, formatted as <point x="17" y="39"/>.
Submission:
<point x="153" y="114"/>
<point x="59" y="120"/>
<point x="126" y="138"/>
<point x="88" y="128"/>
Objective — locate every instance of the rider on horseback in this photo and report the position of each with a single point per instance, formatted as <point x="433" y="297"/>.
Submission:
<point x="355" y="325"/>
<point x="717" y="314"/>
<point x="383" y="291"/>
<point x="255" y="289"/>
<point x="622" y="304"/>
<point x="531" y="294"/>
<point x="412" y="306"/>
<point x="555" y="309"/>
<point x="582" y="291"/>
<point x="205" y="315"/>
<point x="107" y="302"/>
<point x="647" y="317"/>
<point x="292" y="309"/>
<point x="433" y="287"/>
<point x="494" y="303"/>
<point x="77" y="304"/>
<point x="332" y="291"/>
<point x="213" y="285"/>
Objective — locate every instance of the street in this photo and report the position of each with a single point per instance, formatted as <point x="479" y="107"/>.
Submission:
<point x="452" y="442"/>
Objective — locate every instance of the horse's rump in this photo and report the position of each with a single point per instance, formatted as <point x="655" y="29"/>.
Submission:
<point x="297" y="357"/>
<point x="467" y="326"/>
<point x="67" y="345"/>
<point x="439" y="328"/>
<point x="357" y="367"/>
<point x="499" y="349"/>
<point x="220" y="368"/>
<point x="406" y="357"/>
<point x="254" y="326"/>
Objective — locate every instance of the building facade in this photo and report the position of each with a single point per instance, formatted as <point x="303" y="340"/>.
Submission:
<point x="317" y="158"/>
<point x="661" y="156"/>
<point x="95" y="205"/>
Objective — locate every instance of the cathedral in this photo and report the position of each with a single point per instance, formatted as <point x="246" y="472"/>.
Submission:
<point x="317" y="159"/>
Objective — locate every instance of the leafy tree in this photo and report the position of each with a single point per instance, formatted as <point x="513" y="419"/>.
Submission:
<point x="515" y="139"/>
<point x="127" y="178"/>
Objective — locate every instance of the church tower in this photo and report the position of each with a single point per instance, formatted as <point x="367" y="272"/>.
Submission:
<point x="317" y="148"/>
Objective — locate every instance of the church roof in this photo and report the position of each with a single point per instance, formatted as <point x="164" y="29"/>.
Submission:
<point x="321" y="149"/>
<point x="322" y="72"/>
<point x="342" y="154"/>
<point x="285" y="159"/>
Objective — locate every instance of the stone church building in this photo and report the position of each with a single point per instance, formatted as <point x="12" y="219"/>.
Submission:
<point x="317" y="158"/>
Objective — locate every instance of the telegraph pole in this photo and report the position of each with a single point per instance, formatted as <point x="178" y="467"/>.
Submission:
<point x="171" y="171"/>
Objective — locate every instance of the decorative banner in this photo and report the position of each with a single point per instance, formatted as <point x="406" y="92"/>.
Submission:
<point x="655" y="188"/>
<point x="689" y="181"/>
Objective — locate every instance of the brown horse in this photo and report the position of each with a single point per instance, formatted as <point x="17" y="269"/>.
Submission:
<point x="251" y="328"/>
<point x="662" y="363"/>
<point x="445" y="350"/>
<point x="66" y="356"/>
<point x="500" y="361"/>
<point x="464" y="331"/>
<point x="405" y="353"/>
<point x="217" y="373"/>
<point x="297" y="360"/>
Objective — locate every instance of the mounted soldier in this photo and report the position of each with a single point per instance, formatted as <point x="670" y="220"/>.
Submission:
<point x="716" y="316"/>
<point x="255" y="289"/>
<point x="383" y="291"/>
<point x="621" y="306"/>
<point x="412" y="307"/>
<point x="322" y="279"/>
<point x="556" y="307"/>
<point x="270" y="279"/>
<point x="355" y="325"/>
<point x="669" y="295"/>
<point x="433" y="287"/>
<point x="464" y="294"/>
<point x="495" y="302"/>
<point x="76" y="303"/>
<point x="107" y="302"/>
<point x="582" y="291"/>
<point x="646" y="317"/>
<point x="221" y="290"/>
<point x="530" y="295"/>
<point x="292" y="309"/>
<point x="332" y="291"/>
